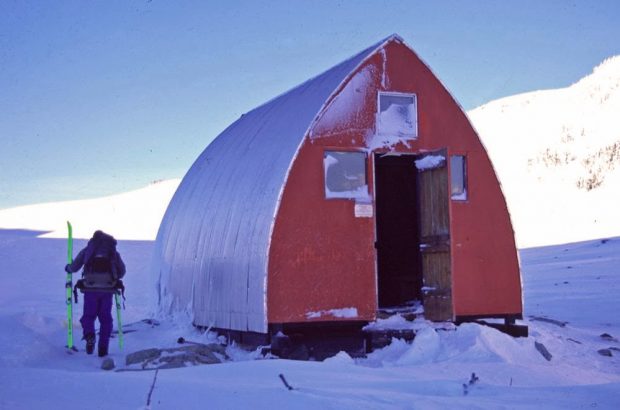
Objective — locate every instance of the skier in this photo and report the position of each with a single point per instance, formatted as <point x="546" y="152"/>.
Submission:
<point x="103" y="269"/>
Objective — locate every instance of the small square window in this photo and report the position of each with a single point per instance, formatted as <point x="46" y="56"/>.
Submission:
<point x="345" y="175"/>
<point x="398" y="115"/>
<point x="458" y="177"/>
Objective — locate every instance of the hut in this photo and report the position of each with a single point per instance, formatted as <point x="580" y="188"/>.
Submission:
<point x="363" y="188"/>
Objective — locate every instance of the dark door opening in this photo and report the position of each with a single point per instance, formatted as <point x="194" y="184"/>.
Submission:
<point x="399" y="277"/>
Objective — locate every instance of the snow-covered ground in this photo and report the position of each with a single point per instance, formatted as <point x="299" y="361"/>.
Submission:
<point x="577" y="283"/>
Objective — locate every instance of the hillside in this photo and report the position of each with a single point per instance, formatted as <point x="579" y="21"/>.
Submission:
<point x="132" y="215"/>
<point x="557" y="154"/>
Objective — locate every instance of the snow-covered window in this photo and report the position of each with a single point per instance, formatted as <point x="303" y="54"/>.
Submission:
<point x="398" y="115"/>
<point x="458" y="177"/>
<point x="345" y="175"/>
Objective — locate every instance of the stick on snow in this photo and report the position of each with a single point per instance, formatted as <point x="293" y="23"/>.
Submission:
<point x="471" y="382"/>
<point x="182" y="340"/>
<point x="288" y="386"/>
<point x="148" y="399"/>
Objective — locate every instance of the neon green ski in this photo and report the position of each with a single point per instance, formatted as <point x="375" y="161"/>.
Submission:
<point x="69" y="288"/>
<point x="119" y="324"/>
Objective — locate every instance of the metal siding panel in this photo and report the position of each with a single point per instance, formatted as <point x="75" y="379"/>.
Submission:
<point x="211" y="250"/>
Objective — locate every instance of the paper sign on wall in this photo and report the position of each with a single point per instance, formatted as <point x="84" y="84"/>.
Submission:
<point x="363" y="211"/>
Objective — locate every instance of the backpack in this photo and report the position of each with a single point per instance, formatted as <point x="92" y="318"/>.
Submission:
<point x="99" y="272"/>
<point x="100" y="264"/>
<point x="100" y="267"/>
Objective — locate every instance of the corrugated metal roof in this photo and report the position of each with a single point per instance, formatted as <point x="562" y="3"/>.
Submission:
<point x="212" y="246"/>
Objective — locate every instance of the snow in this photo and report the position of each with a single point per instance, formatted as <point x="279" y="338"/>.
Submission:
<point x="361" y="193"/>
<point x="574" y="283"/>
<point x="396" y="124"/>
<point x="132" y="215"/>
<point x="384" y="83"/>
<point x="398" y="120"/>
<point x="341" y="110"/>
<point x="345" y="107"/>
<point x="429" y="162"/>
<point x="571" y="297"/>
<point x="389" y="141"/>
<point x="349" y="312"/>
<point x="349" y="174"/>
<point x="544" y="144"/>
<point x="460" y="197"/>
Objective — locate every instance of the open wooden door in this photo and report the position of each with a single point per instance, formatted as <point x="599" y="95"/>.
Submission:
<point x="435" y="235"/>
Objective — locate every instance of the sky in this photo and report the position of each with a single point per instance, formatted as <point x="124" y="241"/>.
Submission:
<point x="103" y="97"/>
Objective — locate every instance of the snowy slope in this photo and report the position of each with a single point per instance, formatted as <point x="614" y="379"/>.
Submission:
<point x="131" y="215"/>
<point x="557" y="154"/>
<point x="576" y="283"/>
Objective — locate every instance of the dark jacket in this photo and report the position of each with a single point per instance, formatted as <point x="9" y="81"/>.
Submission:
<point x="100" y="244"/>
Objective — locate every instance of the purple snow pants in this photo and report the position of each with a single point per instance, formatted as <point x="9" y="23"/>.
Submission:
<point x="98" y="305"/>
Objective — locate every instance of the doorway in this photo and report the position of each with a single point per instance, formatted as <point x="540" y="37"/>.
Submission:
<point x="413" y="232"/>
<point x="399" y="278"/>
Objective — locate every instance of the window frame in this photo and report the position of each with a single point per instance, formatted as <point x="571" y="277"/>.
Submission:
<point x="397" y="94"/>
<point x="462" y="196"/>
<point x="361" y="196"/>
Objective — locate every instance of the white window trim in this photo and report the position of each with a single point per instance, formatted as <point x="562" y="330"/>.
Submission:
<point x="359" y="196"/>
<point x="463" y="196"/>
<point x="397" y="94"/>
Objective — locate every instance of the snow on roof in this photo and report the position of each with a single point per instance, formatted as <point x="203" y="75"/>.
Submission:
<point x="212" y="246"/>
<point x="429" y="162"/>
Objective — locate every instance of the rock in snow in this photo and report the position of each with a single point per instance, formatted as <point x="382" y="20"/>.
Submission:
<point x="190" y="355"/>
<point x="142" y="356"/>
<point x="107" y="364"/>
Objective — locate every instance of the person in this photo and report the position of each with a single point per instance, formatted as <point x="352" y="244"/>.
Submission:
<point x="103" y="269"/>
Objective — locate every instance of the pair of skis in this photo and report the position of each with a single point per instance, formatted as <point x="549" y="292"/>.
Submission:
<point x="69" y="298"/>
<point x="68" y="290"/>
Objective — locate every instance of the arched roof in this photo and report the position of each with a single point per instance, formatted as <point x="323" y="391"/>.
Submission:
<point x="212" y="246"/>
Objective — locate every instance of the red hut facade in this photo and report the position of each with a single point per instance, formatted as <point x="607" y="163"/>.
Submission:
<point x="371" y="190"/>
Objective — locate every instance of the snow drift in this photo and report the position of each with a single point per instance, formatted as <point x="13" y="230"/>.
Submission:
<point x="132" y="215"/>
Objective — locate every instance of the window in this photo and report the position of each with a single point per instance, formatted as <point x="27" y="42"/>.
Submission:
<point x="345" y="175"/>
<point x="398" y="115"/>
<point x="458" y="177"/>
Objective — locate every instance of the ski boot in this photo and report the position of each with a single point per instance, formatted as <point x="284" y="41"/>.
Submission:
<point x="90" y="343"/>
<point x="103" y="351"/>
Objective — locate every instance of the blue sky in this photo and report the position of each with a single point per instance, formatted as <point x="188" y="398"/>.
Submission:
<point x="100" y="97"/>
